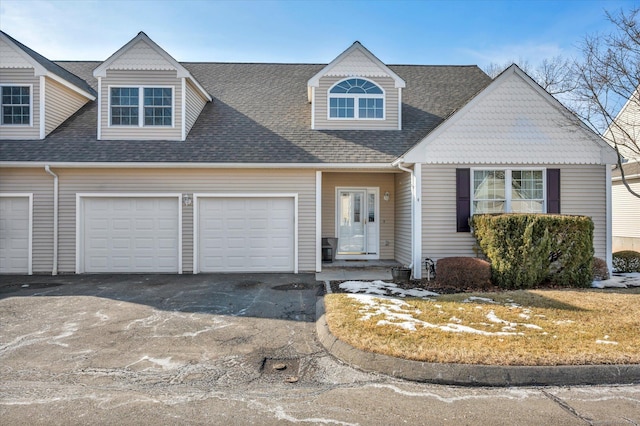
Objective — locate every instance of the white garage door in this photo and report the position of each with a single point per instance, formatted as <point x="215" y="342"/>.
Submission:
<point x="246" y="234"/>
<point x="14" y="235"/>
<point x="126" y="234"/>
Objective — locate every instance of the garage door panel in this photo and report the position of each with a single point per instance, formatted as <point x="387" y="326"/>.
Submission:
<point x="14" y="235"/>
<point x="246" y="234"/>
<point x="123" y="234"/>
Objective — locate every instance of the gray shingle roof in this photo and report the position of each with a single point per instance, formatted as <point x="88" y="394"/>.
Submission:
<point x="260" y="114"/>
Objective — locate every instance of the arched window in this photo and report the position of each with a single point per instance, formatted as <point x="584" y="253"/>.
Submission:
<point x="356" y="99"/>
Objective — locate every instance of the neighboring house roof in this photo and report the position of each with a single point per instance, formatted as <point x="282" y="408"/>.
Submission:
<point x="625" y="130"/>
<point x="260" y="114"/>
<point x="43" y="66"/>
<point x="631" y="171"/>
<point x="513" y="120"/>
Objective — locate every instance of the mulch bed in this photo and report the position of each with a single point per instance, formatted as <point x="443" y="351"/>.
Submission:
<point x="439" y="288"/>
<point x="422" y="284"/>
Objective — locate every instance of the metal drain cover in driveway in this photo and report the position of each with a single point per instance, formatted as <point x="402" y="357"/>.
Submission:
<point x="284" y="367"/>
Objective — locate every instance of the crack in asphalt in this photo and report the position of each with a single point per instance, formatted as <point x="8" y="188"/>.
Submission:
<point x="566" y="407"/>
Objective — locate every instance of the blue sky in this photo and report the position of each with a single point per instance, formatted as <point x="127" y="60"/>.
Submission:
<point x="397" y="32"/>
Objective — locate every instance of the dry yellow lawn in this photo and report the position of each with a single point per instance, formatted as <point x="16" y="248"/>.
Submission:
<point x="536" y="327"/>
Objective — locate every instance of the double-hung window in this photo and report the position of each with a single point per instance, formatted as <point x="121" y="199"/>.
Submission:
<point x="508" y="191"/>
<point x="156" y="104"/>
<point x="16" y="105"/>
<point x="356" y="99"/>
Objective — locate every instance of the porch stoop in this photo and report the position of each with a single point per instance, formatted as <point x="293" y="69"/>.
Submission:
<point x="346" y="270"/>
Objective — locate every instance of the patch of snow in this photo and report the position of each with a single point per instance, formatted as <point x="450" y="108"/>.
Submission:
<point x="606" y="342"/>
<point x="383" y="289"/>
<point x="478" y="299"/>
<point x="619" y="280"/>
<point x="398" y="313"/>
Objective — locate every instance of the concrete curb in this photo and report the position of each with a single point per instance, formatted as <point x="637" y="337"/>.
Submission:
<point x="472" y="375"/>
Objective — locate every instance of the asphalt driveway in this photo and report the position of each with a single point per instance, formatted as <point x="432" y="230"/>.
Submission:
<point x="226" y="349"/>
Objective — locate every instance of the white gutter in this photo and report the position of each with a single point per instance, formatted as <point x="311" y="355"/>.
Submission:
<point x="417" y="271"/>
<point x="54" y="270"/>
<point x="188" y="165"/>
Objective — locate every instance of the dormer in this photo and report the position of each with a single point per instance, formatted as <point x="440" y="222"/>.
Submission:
<point x="356" y="91"/>
<point x="36" y="95"/>
<point x="145" y="94"/>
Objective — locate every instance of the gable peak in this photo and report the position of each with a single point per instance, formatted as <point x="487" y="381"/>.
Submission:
<point x="356" y="60"/>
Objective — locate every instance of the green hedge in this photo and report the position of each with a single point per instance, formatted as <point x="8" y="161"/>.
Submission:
<point x="527" y="249"/>
<point x="626" y="261"/>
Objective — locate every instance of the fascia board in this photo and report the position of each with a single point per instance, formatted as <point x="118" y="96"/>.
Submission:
<point x="68" y="85"/>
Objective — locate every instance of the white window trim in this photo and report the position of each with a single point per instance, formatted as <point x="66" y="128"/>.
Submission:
<point x="80" y="196"/>
<point x="196" y="219"/>
<point x="356" y="97"/>
<point x="141" y="106"/>
<point x="507" y="184"/>
<point x="31" y="112"/>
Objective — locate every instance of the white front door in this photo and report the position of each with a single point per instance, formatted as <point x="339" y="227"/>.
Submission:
<point x="357" y="223"/>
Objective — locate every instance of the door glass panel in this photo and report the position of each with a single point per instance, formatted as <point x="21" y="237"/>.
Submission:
<point x="357" y="200"/>
<point x="351" y="229"/>
<point x="371" y="208"/>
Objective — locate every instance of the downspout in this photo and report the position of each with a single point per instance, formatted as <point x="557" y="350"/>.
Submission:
<point x="398" y="164"/>
<point x="47" y="169"/>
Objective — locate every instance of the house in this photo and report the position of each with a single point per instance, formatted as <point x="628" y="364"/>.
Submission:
<point x="161" y="166"/>
<point x="626" y="206"/>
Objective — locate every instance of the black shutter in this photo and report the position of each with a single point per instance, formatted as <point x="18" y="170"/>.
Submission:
<point x="553" y="191"/>
<point x="463" y="199"/>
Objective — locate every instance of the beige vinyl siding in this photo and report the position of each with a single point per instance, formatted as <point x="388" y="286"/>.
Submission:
<point x="60" y="104"/>
<point x="626" y="216"/>
<point x="403" y="231"/>
<point x="439" y="236"/>
<point x="384" y="181"/>
<point x="320" y="107"/>
<point x="23" y="77"/>
<point x="582" y="192"/>
<point x="195" y="103"/>
<point x="40" y="184"/>
<point x="187" y="181"/>
<point x="141" y="79"/>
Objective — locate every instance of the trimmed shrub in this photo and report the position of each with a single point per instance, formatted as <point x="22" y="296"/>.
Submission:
<point x="527" y="249"/>
<point x="463" y="272"/>
<point x="600" y="269"/>
<point x="626" y="261"/>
